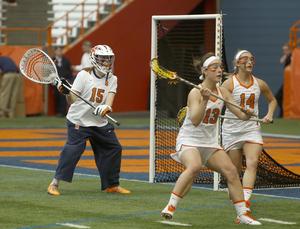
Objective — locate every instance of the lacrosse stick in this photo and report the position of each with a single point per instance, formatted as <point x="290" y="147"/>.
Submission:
<point x="166" y="74"/>
<point x="38" y="67"/>
<point x="233" y="117"/>
<point x="182" y="113"/>
<point x="236" y="118"/>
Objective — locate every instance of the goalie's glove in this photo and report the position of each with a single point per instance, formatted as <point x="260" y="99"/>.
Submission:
<point x="102" y="110"/>
<point x="59" y="83"/>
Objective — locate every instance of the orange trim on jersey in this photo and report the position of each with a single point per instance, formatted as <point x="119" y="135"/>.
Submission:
<point x="232" y="82"/>
<point x="221" y="92"/>
<point x="243" y="84"/>
<point x="215" y="97"/>
<point x="214" y="100"/>
<point x="242" y="141"/>
<point x="177" y="195"/>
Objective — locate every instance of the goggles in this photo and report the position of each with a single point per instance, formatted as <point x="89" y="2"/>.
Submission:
<point x="246" y="59"/>
<point x="214" y="67"/>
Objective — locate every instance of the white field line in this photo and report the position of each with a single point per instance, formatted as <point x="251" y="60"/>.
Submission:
<point x="280" y="135"/>
<point x="171" y="184"/>
<point x="72" y="225"/>
<point x="275" y="221"/>
<point x="174" y="223"/>
<point x="283" y="197"/>
<point x="52" y="171"/>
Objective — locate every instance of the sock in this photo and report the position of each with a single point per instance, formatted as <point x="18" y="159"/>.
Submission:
<point x="174" y="199"/>
<point x="240" y="207"/>
<point x="247" y="193"/>
<point x="55" y="181"/>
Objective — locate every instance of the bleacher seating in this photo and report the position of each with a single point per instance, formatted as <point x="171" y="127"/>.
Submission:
<point x="2" y="25"/>
<point x="61" y="7"/>
<point x="72" y="2"/>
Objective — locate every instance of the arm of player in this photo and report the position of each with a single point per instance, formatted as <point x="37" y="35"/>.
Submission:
<point x="244" y="114"/>
<point x="197" y="102"/>
<point x="71" y="98"/>
<point x="266" y="92"/>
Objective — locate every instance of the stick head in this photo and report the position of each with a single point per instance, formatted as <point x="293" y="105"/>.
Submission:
<point x="37" y="66"/>
<point x="181" y="115"/>
<point x="161" y="72"/>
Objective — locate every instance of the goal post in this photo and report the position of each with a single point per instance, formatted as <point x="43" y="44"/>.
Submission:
<point x="175" y="39"/>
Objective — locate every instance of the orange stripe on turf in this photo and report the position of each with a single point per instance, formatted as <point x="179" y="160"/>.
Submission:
<point x="31" y="133"/>
<point x="56" y="153"/>
<point x="32" y="143"/>
<point x="280" y="140"/>
<point x="29" y="143"/>
<point x="132" y="133"/>
<point x="134" y="142"/>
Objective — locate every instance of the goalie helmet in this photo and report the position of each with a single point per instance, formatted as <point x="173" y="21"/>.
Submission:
<point x="102" y="58"/>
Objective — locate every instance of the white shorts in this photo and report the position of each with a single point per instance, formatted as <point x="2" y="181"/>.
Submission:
<point x="205" y="153"/>
<point x="238" y="145"/>
<point x="236" y="140"/>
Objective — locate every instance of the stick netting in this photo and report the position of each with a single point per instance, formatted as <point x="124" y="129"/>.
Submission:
<point x="38" y="67"/>
<point x="177" y="42"/>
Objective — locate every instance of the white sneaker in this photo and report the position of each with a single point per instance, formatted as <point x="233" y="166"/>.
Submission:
<point x="168" y="212"/>
<point x="246" y="219"/>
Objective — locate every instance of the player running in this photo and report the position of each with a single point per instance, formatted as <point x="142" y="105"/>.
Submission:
<point x="239" y="136"/>
<point x="97" y="85"/>
<point x="196" y="143"/>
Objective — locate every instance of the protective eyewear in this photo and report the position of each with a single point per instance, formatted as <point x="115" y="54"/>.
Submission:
<point x="214" y="67"/>
<point x="246" y="59"/>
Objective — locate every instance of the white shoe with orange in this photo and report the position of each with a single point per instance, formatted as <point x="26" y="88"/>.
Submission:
<point x="246" y="219"/>
<point x="168" y="212"/>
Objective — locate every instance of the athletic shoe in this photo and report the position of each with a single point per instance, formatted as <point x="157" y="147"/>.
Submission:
<point x="53" y="190"/>
<point x="246" y="219"/>
<point x="248" y="205"/>
<point x="168" y="212"/>
<point x="117" y="189"/>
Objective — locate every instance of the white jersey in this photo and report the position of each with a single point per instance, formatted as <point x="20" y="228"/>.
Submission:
<point x="234" y="131"/>
<point x="205" y="134"/>
<point x="94" y="90"/>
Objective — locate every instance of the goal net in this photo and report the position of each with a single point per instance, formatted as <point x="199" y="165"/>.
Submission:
<point x="175" y="41"/>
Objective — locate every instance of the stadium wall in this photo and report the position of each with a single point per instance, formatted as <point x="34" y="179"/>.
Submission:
<point x="128" y="33"/>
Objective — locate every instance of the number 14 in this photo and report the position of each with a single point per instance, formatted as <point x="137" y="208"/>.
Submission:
<point x="250" y="101"/>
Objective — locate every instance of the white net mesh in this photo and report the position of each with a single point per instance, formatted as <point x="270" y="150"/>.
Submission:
<point x="177" y="43"/>
<point x="38" y="66"/>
